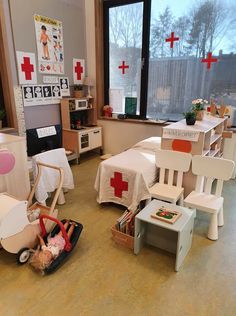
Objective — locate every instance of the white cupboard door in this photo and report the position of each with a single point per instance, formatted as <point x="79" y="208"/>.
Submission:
<point x="95" y="138"/>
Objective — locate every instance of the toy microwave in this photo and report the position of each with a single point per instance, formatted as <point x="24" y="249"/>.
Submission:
<point x="81" y="104"/>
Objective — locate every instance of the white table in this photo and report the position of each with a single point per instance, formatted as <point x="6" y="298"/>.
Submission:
<point x="175" y="238"/>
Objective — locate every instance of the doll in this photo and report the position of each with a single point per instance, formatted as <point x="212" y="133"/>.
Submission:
<point x="46" y="253"/>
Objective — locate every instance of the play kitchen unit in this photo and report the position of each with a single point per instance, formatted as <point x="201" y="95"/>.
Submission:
<point x="79" y="131"/>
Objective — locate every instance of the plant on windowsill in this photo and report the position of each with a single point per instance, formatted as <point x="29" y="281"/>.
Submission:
<point x="2" y="115"/>
<point x="190" y="117"/>
<point x="78" y="91"/>
<point x="198" y="108"/>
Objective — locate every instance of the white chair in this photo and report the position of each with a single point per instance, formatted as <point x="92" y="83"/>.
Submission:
<point x="202" y="198"/>
<point x="171" y="161"/>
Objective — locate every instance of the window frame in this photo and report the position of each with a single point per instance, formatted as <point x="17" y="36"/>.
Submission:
<point x="107" y="4"/>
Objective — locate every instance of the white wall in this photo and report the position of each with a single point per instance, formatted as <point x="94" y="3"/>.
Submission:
<point x="119" y="136"/>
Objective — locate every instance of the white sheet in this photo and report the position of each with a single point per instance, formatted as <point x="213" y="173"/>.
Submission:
<point x="50" y="178"/>
<point x="137" y="167"/>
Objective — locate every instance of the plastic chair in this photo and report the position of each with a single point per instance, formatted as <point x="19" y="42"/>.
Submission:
<point x="202" y="198"/>
<point x="171" y="161"/>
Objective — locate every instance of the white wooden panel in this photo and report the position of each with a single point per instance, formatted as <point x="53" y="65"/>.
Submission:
<point x="176" y="160"/>
<point x="212" y="167"/>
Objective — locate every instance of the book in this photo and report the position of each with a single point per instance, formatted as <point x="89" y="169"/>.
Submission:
<point x="166" y="215"/>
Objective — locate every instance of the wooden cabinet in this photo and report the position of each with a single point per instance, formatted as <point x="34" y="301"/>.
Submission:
<point x="79" y="133"/>
<point x="16" y="182"/>
<point x="204" y="138"/>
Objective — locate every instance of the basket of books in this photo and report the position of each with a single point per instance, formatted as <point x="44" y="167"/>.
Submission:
<point x="123" y="230"/>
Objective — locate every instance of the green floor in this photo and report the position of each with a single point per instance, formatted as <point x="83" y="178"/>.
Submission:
<point x="101" y="278"/>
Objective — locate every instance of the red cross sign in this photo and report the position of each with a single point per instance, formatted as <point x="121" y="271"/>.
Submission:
<point x="79" y="70"/>
<point x="27" y="68"/>
<point x="123" y="67"/>
<point x="118" y="184"/>
<point x="172" y="39"/>
<point x="209" y="60"/>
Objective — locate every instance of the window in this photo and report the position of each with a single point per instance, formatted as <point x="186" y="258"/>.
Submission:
<point x="176" y="51"/>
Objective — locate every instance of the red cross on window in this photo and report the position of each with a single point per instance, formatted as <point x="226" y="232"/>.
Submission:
<point x="79" y="70"/>
<point x="172" y="39"/>
<point x="123" y="67"/>
<point x="209" y="60"/>
<point x="27" y="68"/>
<point x="118" y="184"/>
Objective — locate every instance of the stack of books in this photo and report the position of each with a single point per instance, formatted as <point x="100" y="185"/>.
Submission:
<point x="125" y="223"/>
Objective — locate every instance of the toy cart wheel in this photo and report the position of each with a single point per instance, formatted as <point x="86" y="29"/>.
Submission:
<point x="23" y="255"/>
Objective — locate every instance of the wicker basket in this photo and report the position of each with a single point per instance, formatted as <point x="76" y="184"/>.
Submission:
<point x="122" y="239"/>
<point x="78" y="93"/>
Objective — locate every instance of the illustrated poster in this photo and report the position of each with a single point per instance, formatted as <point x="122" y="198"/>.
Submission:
<point x="49" y="39"/>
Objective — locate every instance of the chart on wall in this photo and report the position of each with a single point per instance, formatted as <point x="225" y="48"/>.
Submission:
<point x="49" y="39"/>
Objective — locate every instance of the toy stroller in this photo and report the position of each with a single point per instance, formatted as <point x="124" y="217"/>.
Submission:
<point x="19" y="220"/>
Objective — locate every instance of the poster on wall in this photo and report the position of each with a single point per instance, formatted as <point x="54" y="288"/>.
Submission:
<point x="49" y="39"/>
<point x="26" y="68"/>
<point x="41" y="94"/>
<point x="78" y="70"/>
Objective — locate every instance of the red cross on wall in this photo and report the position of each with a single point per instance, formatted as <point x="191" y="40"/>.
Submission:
<point x="123" y="67"/>
<point x="118" y="184"/>
<point x="27" y="68"/>
<point x="172" y="39"/>
<point x="209" y="60"/>
<point x="79" y="70"/>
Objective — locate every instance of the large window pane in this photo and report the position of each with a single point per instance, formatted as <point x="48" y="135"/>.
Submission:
<point x="177" y="75"/>
<point x="125" y="45"/>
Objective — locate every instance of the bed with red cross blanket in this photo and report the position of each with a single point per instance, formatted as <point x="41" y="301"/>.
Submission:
<point x="125" y="178"/>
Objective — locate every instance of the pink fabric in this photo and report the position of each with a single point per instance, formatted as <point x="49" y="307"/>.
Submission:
<point x="57" y="241"/>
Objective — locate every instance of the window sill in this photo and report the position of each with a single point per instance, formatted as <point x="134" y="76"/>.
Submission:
<point x="8" y="130"/>
<point x="151" y="122"/>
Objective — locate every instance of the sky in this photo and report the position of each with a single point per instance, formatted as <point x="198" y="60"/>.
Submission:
<point x="181" y="7"/>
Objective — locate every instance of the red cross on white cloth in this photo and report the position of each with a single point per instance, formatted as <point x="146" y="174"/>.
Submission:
<point x="78" y="71"/>
<point x="118" y="184"/>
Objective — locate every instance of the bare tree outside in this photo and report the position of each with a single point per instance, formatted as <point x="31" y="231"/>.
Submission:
<point x="176" y="75"/>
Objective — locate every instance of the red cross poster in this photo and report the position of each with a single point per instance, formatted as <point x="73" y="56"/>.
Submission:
<point x="49" y="39"/>
<point x="26" y="68"/>
<point x="78" y="70"/>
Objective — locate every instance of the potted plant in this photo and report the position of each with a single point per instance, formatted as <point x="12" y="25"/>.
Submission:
<point x="198" y="108"/>
<point x="190" y="117"/>
<point x="78" y="91"/>
<point x="2" y="115"/>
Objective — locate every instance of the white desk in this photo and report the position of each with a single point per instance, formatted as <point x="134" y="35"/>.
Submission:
<point x="175" y="238"/>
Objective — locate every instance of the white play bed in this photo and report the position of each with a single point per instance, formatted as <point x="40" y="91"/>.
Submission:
<point x="126" y="177"/>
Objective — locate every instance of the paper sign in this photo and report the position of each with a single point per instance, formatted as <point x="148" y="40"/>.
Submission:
<point x="65" y="87"/>
<point x="26" y="68"/>
<point x="50" y="79"/>
<point x="46" y="131"/>
<point x="171" y="133"/>
<point x="78" y="70"/>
